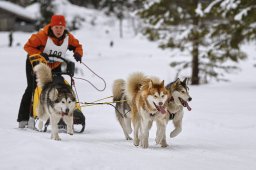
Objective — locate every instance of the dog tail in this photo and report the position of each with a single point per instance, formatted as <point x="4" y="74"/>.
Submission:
<point x="118" y="89"/>
<point x="43" y="74"/>
<point x="134" y="82"/>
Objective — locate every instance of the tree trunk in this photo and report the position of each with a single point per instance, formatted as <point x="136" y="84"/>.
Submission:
<point x="121" y="27"/>
<point x="195" y="63"/>
<point x="195" y="51"/>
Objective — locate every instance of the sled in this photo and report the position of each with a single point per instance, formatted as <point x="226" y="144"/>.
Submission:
<point x="78" y="117"/>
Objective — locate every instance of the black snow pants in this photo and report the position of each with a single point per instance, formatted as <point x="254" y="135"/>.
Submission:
<point x="25" y="109"/>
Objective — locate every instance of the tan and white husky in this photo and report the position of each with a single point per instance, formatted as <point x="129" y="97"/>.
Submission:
<point x="180" y="97"/>
<point x="147" y="97"/>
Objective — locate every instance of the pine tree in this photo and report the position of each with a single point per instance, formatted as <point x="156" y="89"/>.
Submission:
<point x="241" y="14"/>
<point x="193" y="26"/>
<point x="88" y="3"/>
<point x="120" y="9"/>
<point x="23" y="3"/>
<point x="46" y="10"/>
<point x="116" y="8"/>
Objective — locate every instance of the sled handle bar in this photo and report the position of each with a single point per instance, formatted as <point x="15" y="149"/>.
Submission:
<point x="62" y="58"/>
<point x="70" y="67"/>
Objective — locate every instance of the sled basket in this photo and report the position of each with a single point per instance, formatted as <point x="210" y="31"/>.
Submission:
<point x="78" y="119"/>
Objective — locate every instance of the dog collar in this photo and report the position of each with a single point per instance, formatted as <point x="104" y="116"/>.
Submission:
<point x="152" y="114"/>
<point x="63" y="114"/>
<point x="172" y="115"/>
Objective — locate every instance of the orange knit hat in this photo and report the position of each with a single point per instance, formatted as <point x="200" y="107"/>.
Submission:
<point x="58" y="20"/>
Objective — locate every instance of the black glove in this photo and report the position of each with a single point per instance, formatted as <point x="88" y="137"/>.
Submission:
<point x="46" y="56"/>
<point x="78" y="57"/>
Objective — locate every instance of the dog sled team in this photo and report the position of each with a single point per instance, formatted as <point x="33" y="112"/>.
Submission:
<point x="140" y="100"/>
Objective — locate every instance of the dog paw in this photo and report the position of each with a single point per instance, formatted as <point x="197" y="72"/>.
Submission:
<point x="136" y="142"/>
<point x="70" y="132"/>
<point x="144" y="144"/>
<point x="175" y="132"/>
<point x="55" y="137"/>
<point x="164" y="144"/>
<point x="40" y="126"/>
<point x="128" y="138"/>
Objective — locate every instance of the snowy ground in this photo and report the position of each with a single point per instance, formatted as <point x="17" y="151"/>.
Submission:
<point x="219" y="132"/>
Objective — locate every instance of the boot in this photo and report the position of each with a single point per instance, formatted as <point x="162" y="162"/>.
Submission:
<point x="23" y="124"/>
<point x="31" y="123"/>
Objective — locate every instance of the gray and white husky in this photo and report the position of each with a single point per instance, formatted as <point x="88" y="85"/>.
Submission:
<point x="57" y="100"/>
<point x="180" y="97"/>
<point x="123" y="110"/>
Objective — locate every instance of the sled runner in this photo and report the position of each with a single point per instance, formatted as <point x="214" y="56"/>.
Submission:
<point x="67" y="68"/>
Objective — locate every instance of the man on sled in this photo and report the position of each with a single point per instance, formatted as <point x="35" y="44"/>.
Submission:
<point x="46" y="46"/>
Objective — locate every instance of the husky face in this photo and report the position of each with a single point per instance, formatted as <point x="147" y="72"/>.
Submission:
<point x="180" y="93"/>
<point x="157" y="95"/>
<point x="65" y="103"/>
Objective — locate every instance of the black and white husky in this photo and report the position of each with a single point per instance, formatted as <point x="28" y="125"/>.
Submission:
<point x="57" y="100"/>
<point x="180" y="97"/>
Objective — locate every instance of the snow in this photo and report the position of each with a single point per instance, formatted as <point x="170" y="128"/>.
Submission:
<point x="16" y="9"/>
<point x="211" y="5"/>
<point x="219" y="132"/>
<point x="199" y="11"/>
<point x="69" y="10"/>
<point x="242" y="13"/>
<point x="33" y="9"/>
<point x="230" y="4"/>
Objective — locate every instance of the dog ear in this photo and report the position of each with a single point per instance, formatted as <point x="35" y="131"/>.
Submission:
<point x="53" y="95"/>
<point x="162" y="83"/>
<point x="150" y="84"/>
<point x="177" y="81"/>
<point x="185" y="80"/>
